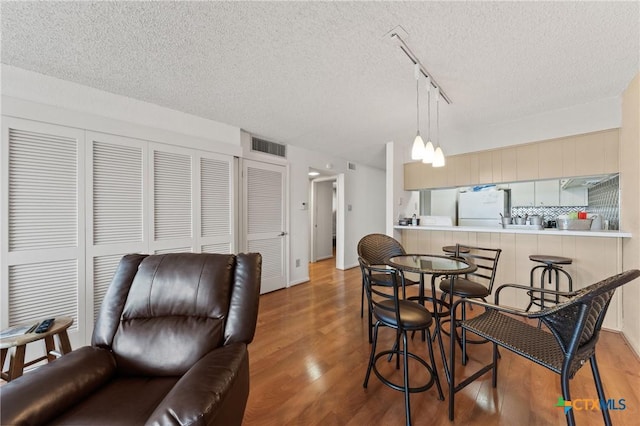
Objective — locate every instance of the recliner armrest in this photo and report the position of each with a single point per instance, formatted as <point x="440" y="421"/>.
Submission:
<point x="214" y="390"/>
<point x="41" y="395"/>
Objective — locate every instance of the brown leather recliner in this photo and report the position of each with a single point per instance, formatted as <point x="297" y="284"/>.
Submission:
<point x="169" y="347"/>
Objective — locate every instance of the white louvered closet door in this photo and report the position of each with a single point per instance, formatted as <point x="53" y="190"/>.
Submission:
<point x="172" y="200"/>
<point x="217" y="225"/>
<point x="42" y="257"/>
<point x="265" y="226"/>
<point x="116" y="210"/>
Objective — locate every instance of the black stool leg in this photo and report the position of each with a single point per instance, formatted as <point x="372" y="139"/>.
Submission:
<point x="407" y="393"/>
<point x="433" y="367"/>
<point x="545" y="271"/>
<point x="557" y="284"/>
<point x="532" y="295"/>
<point x="372" y="357"/>
<point x="362" y="302"/>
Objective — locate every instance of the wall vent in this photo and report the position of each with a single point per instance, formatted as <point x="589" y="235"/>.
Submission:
<point x="352" y="166"/>
<point x="268" y="147"/>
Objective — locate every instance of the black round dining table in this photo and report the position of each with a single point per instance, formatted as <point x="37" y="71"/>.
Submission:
<point x="434" y="265"/>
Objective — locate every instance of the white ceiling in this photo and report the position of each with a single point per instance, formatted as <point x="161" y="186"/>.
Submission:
<point x="322" y="75"/>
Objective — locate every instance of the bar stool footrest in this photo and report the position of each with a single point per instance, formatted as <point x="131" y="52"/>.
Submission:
<point x="395" y="386"/>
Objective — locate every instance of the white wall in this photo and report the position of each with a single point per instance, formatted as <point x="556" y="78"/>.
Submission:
<point x="365" y="211"/>
<point x="27" y="85"/>
<point x="363" y="189"/>
<point x="399" y="201"/>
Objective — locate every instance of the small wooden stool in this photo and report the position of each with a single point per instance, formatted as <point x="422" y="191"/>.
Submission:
<point x="17" y="364"/>
<point x="550" y="264"/>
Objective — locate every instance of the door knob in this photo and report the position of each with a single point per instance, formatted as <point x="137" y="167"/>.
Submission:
<point x="282" y="234"/>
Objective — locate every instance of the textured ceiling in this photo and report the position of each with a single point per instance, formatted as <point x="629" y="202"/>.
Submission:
<point x="322" y="75"/>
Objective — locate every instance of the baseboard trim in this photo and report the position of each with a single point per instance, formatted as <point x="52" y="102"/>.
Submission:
<point x="300" y="281"/>
<point x="355" y="265"/>
<point x="628" y="343"/>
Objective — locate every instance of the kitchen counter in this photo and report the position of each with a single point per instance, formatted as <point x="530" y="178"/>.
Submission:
<point x="595" y="254"/>
<point x="497" y="229"/>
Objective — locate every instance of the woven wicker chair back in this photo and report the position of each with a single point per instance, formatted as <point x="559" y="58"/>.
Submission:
<point x="376" y="248"/>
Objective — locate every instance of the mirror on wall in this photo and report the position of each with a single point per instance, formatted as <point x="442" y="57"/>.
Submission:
<point x="549" y="198"/>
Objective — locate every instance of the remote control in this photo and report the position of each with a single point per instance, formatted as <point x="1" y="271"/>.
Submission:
<point x="44" y="325"/>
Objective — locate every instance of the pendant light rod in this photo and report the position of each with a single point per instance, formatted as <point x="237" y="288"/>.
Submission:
<point x="407" y="50"/>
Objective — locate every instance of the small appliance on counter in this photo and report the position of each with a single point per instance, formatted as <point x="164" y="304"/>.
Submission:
<point x="409" y="221"/>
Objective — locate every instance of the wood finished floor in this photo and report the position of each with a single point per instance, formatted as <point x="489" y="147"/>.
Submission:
<point x="310" y="354"/>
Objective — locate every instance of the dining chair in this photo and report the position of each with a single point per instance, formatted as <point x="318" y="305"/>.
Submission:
<point x="374" y="250"/>
<point x="474" y="285"/>
<point x="390" y="310"/>
<point x="573" y="331"/>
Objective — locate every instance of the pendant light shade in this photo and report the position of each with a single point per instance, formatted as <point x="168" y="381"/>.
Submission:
<point x="431" y="152"/>
<point x="428" y="153"/>
<point x="417" y="150"/>
<point x="438" y="157"/>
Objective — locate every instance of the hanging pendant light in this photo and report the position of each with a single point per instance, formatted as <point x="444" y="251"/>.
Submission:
<point x="438" y="156"/>
<point x="428" y="148"/>
<point x="417" y="150"/>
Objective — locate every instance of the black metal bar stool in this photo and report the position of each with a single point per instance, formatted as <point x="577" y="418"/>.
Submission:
<point x="550" y="265"/>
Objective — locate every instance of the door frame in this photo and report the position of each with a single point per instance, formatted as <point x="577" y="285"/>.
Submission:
<point x="312" y="215"/>
<point x="242" y="211"/>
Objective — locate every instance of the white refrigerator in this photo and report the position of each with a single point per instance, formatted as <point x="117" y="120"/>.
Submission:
<point x="482" y="208"/>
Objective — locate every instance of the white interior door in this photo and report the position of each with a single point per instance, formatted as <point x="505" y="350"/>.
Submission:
<point x="323" y="220"/>
<point x="264" y="217"/>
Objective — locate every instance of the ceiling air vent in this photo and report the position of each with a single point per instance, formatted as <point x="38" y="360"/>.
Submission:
<point x="267" y="147"/>
<point x="352" y="166"/>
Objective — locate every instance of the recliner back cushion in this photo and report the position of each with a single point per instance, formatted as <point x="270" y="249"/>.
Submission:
<point x="174" y="314"/>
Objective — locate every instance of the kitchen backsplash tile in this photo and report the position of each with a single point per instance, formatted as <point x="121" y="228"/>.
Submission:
<point x="604" y="199"/>
<point x="548" y="212"/>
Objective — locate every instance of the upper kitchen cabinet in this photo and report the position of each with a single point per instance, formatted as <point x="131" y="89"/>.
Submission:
<point x="509" y="165"/>
<point x="451" y="169"/>
<point x="527" y="162"/>
<point x="415" y="176"/>
<point x="580" y="155"/>
<point x="596" y="153"/>
<point x="440" y="175"/>
<point x="611" y="142"/>
<point x="567" y="150"/>
<point x="463" y="170"/>
<point x="474" y="169"/>
<point x="485" y="167"/>
<point x="496" y="166"/>
<point x="550" y="159"/>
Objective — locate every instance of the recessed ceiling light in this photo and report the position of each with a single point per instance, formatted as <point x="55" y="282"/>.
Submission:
<point x="314" y="174"/>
